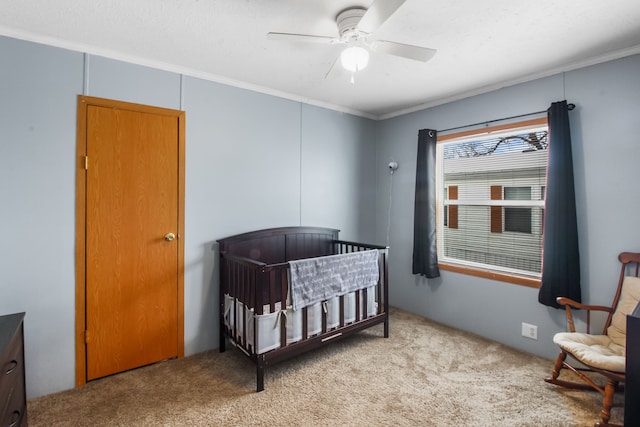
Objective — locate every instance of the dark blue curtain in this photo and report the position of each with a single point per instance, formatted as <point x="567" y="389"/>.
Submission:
<point x="425" y="257"/>
<point x="561" y="260"/>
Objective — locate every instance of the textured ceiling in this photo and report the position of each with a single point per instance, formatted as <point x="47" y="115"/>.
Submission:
<point x="481" y="45"/>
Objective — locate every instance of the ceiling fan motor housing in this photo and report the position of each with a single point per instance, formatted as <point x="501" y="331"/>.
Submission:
<point x="348" y="20"/>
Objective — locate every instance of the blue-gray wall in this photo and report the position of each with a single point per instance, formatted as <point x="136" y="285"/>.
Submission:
<point x="604" y="126"/>
<point x="253" y="161"/>
<point x="256" y="161"/>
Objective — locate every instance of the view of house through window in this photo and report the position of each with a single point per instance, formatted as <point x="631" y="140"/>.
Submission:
<point x="490" y="192"/>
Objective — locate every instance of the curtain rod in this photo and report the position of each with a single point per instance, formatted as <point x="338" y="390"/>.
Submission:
<point x="569" y="106"/>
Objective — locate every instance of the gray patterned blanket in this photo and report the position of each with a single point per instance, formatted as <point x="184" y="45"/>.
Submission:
<point x="317" y="279"/>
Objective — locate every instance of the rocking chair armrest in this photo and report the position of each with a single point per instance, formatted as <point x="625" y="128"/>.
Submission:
<point x="568" y="303"/>
<point x="571" y="303"/>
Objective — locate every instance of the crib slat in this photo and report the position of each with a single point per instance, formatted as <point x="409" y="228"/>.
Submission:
<point x="305" y="323"/>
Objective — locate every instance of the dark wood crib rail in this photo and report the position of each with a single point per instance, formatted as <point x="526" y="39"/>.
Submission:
<point x="262" y="287"/>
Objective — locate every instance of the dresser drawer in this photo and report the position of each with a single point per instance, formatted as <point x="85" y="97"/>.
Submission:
<point x="12" y="385"/>
<point x="13" y="405"/>
<point x="11" y="361"/>
<point x="13" y="352"/>
<point x="15" y="415"/>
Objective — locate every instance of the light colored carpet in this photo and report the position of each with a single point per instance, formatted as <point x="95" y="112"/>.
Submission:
<point x="424" y="374"/>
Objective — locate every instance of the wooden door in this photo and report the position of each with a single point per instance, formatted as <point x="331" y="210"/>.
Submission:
<point x="133" y="232"/>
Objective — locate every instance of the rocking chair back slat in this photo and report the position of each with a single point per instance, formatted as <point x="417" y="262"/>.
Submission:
<point x="630" y="266"/>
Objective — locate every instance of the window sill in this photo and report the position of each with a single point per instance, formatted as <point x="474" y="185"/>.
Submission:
<point x="501" y="277"/>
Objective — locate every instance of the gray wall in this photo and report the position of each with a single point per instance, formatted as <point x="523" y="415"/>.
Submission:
<point x="253" y="161"/>
<point x="606" y="151"/>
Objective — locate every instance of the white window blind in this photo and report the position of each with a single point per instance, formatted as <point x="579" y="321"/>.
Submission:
<point x="491" y="200"/>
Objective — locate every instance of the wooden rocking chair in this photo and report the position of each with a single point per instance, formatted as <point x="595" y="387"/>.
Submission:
<point x="605" y="353"/>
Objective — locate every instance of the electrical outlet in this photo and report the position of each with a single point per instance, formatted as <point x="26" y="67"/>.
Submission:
<point x="529" y="331"/>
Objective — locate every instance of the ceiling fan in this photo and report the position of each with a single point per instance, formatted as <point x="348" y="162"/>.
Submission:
<point x="356" y="26"/>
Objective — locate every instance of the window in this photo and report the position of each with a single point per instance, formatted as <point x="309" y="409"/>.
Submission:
<point x="517" y="220"/>
<point x="490" y="191"/>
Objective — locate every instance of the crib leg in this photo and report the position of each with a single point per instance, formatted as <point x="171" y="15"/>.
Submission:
<point x="223" y="341"/>
<point x="386" y="326"/>
<point x="260" y="374"/>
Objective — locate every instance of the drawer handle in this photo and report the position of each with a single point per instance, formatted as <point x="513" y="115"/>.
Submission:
<point x="14" y="419"/>
<point x="11" y="367"/>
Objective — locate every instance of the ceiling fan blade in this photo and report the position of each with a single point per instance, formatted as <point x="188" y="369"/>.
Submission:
<point x="377" y="14"/>
<point x="416" y="53"/>
<point x="306" y="38"/>
<point x="333" y="70"/>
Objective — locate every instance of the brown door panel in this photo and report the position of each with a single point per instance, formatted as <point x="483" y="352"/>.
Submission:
<point x="131" y="269"/>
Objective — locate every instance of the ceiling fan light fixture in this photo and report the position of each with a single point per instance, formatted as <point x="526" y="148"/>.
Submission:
<point x="354" y="58"/>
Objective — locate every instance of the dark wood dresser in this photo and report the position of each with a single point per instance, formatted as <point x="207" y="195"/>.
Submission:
<point x="632" y="375"/>
<point x="13" y="398"/>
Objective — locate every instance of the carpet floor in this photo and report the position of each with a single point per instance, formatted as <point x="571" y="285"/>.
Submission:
<point x="425" y="373"/>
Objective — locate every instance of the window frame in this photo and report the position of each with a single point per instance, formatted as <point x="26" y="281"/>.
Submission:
<point x="470" y="269"/>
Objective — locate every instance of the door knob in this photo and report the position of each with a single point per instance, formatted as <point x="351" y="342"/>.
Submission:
<point x="169" y="237"/>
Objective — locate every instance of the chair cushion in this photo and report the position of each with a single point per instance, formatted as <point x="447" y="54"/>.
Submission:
<point x="598" y="351"/>
<point x="629" y="298"/>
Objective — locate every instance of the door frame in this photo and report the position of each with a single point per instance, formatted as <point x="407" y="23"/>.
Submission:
<point x="81" y="196"/>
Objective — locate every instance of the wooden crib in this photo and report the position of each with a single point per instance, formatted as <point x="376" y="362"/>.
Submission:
<point x="254" y="290"/>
